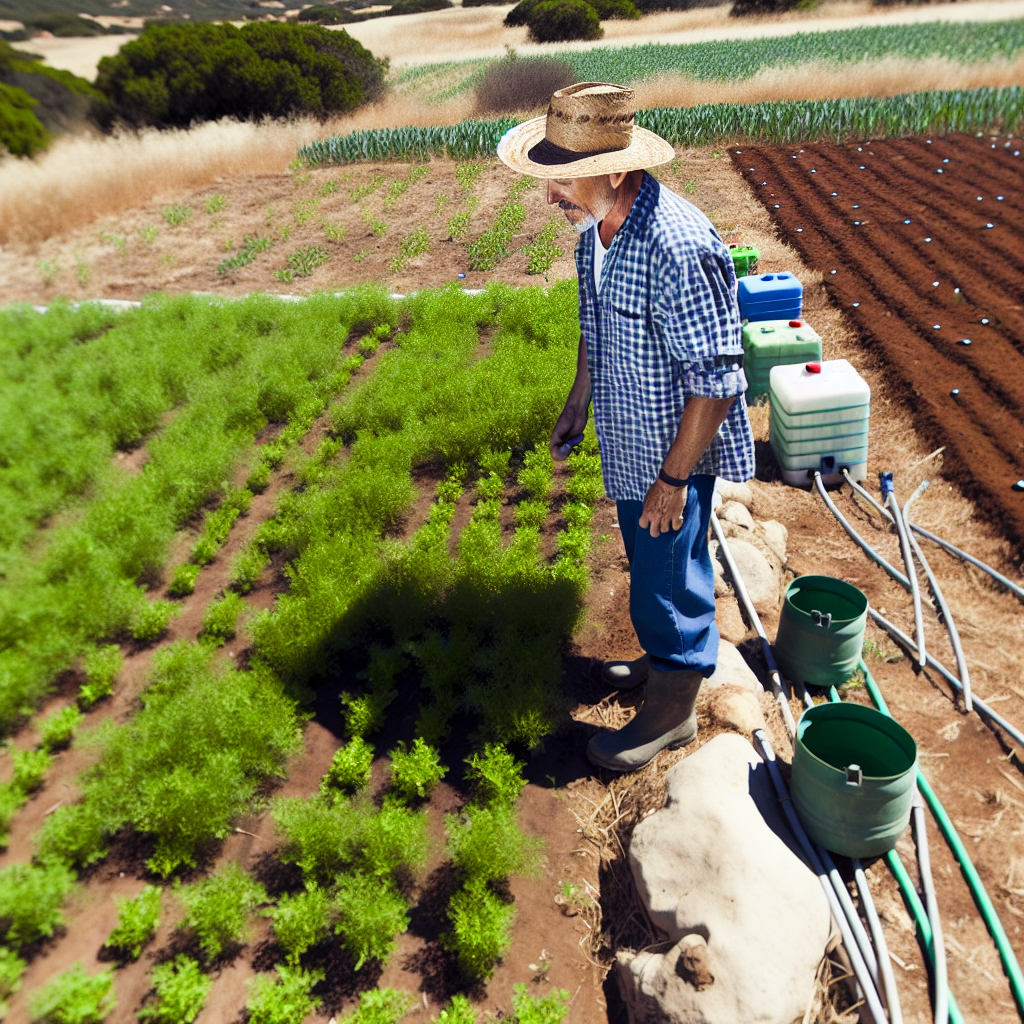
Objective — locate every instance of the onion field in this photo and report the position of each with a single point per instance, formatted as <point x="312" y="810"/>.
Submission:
<point x="838" y="120"/>
<point x="426" y="566"/>
<point x="736" y="59"/>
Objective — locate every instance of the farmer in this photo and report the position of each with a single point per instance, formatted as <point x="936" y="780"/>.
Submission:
<point x="661" y="358"/>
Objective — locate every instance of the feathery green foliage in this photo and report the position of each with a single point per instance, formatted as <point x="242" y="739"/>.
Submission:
<point x="181" y="990"/>
<point x="149" y="623"/>
<point x="56" y="731"/>
<point x="543" y="250"/>
<point x="458" y="1011"/>
<point x="300" y="921"/>
<point x="219" y="908"/>
<point x="480" y="928"/>
<point x="12" y="967"/>
<point x="31" y="902"/>
<point x="74" y="997"/>
<point x="137" y="921"/>
<point x="380" y="1006"/>
<point x="285" y="1000"/>
<point x="30" y="766"/>
<point x="102" y="664"/>
<point x="220" y="623"/>
<point x="493" y="245"/>
<point x="415" y="772"/>
<point x="350" y="767"/>
<point x="496" y="776"/>
<point x="550" y="1009"/>
<point x="371" y="913"/>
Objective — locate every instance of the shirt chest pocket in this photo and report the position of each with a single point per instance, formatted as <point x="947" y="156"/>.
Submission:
<point x="624" y="341"/>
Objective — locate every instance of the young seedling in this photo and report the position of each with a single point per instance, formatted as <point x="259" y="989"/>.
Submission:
<point x="176" y="215"/>
<point x="214" y="204"/>
<point x="57" y="731"/>
<point x="74" y="997"/>
<point x="137" y="921"/>
<point x="48" y="269"/>
<point x="102" y="665"/>
<point x="83" y="272"/>
<point x="181" y="990"/>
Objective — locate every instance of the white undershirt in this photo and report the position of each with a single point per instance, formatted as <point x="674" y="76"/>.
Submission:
<point x="599" y="254"/>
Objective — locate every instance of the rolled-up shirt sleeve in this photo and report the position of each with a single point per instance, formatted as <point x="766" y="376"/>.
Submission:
<point x="697" y="319"/>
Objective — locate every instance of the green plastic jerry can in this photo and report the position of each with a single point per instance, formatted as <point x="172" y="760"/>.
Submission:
<point x="744" y="259"/>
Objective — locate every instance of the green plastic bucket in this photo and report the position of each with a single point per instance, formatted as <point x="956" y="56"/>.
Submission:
<point x="854" y="773"/>
<point x="821" y="631"/>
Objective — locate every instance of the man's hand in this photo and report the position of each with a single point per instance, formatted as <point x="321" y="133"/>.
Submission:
<point x="663" y="508"/>
<point x="570" y="424"/>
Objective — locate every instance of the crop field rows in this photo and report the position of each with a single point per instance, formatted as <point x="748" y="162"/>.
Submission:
<point x="465" y="600"/>
<point x="917" y="241"/>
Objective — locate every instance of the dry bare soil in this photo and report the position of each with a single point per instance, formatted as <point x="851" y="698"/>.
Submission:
<point x="587" y="819"/>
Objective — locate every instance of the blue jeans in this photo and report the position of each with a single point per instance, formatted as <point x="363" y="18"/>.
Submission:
<point x="672" y="584"/>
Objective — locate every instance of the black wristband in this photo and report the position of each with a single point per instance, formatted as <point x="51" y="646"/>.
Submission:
<point x="670" y="480"/>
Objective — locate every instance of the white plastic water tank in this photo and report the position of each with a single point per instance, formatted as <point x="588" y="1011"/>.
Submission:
<point x="819" y="420"/>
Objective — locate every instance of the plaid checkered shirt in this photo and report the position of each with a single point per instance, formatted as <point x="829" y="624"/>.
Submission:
<point x="665" y="326"/>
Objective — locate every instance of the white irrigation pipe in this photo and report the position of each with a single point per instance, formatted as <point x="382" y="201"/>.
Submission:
<point x="928" y="886"/>
<point x="889" y="494"/>
<point x="892" y="996"/>
<point x="933" y="583"/>
<point x="741" y="592"/>
<point x="860" y="968"/>
<point x="952" y="549"/>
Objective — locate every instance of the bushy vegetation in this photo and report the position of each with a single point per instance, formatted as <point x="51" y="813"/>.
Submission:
<point x="415" y="772"/>
<point x="301" y="920"/>
<point x="74" y="997"/>
<point x="380" y="1006"/>
<point x="86" y="382"/>
<point x="181" y="989"/>
<point x="350" y="768"/>
<point x="12" y="967"/>
<point x="219" y="908"/>
<point x="137" y="921"/>
<point x="58" y="730"/>
<point x="31" y="902"/>
<point x="839" y="120"/>
<point x="28" y="770"/>
<point x="554" y="21"/>
<point x="513" y="84"/>
<point x="262" y="69"/>
<point x="285" y="1000"/>
<point x="550" y="1009"/>
<point x="102" y="664"/>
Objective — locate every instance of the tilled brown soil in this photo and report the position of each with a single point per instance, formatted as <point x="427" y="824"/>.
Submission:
<point x="918" y="242"/>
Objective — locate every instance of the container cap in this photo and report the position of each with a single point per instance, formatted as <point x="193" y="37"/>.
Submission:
<point x="836" y="385"/>
<point x="796" y="323"/>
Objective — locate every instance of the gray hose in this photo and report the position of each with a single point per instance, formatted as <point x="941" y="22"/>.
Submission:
<point x="889" y="493"/>
<point x="1014" y="588"/>
<point x="892" y="996"/>
<point x="741" y="592"/>
<point x="860" y="969"/>
<point x="928" y="885"/>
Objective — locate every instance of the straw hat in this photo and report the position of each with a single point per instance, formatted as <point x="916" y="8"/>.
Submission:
<point x="588" y="130"/>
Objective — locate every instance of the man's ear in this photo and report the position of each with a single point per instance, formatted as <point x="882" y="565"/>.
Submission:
<point x="615" y="180"/>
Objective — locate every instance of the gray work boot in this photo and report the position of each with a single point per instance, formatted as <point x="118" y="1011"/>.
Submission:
<point x="667" y="719"/>
<point x="626" y="675"/>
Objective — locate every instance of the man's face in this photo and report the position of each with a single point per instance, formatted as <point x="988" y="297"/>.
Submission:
<point x="585" y="201"/>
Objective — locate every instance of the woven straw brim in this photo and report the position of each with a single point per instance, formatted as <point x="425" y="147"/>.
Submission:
<point x="645" y="150"/>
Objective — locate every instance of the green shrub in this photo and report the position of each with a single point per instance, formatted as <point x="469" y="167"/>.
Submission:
<point x="480" y="929"/>
<point x="285" y="1000"/>
<point x="74" y="835"/>
<point x="220" y="622"/>
<point x="415" y="772"/>
<point x="12" y="799"/>
<point x="218" y="909"/>
<point x="12" y="967"/>
<point x="380" y="1006"/>
<point x="176" y="215"/>
<point x="152" y="619"/>
<point x="247" y="568"/>
<point x="261" y="69"/>
<point x="554" y="21"/>
<point x="65" y="25"/>
<point x="300" y="921"/>
<point x="58" y="730"/>
<point x="30" y="768"/>
<point x="137" y="921"/>
<point x="458" y="1011"/>
<point x="21" y="132"/>
<point x="515" y="84"/>
<point x="496" y="776"/>
<point x="537" y="474"/>
<point x="181" y="990"/>
<point x="350" y="767"/>
<point x="550" y="1009"/>
<point x="371" y="914"/>
<point x="487" y="843"/>
<point x="624" y="9"/>
<point x="74" y="997"/>
<point x="520" y="16"/>
<point x="102" y="664"/>
<point x="183" y="580"/>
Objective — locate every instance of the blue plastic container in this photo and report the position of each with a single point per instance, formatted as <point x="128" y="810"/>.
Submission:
<point x="771" y="297"/>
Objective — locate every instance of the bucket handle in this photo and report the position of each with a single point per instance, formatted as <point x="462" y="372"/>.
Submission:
<point x="854" y="775"/>
<point x="824" y="621"/>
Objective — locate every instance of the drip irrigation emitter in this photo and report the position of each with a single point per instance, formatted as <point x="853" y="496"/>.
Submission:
<point x="858" y="946"/>
<point x="978" y="705"/>
<point x="933" y="583"/>
<point x="889" y="496"/>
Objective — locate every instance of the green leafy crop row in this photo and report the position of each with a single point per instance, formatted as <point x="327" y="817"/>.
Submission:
<point x="781" y="122"/>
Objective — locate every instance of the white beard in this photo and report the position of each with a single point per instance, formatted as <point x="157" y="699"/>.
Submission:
<point x="588" y="222"/>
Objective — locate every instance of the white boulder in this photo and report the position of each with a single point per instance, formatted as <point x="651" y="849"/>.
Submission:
<point x="732" y="670"/>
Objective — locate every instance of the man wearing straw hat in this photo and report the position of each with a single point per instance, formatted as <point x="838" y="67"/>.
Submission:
<point x="661" y="358"/>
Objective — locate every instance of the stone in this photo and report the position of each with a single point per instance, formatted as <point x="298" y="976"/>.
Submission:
<point x="732" y="670"/>
<point x="735" y="708"/>
<point x="734" y="512"/>
<point x="722" y="588"/>
<point x="760" y="577"/>
<point x="746" y="921"/>
<point x="734" y="492"/>
<point x="776" y="537"/>
<point x="729" y="619"/>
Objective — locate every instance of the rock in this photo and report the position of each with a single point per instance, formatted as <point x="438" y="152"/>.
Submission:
<point x="722" y="588"/>
<point x="732" y="670"/>
<point x="734" y="492"/>
<point x="760" y="577"/>
<point x="717" y="872"/>
<point x="734" y="512"/>
<point x="729" y="620"/>
<point x="732" y="707"/>
<point x="775" y="536"/>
